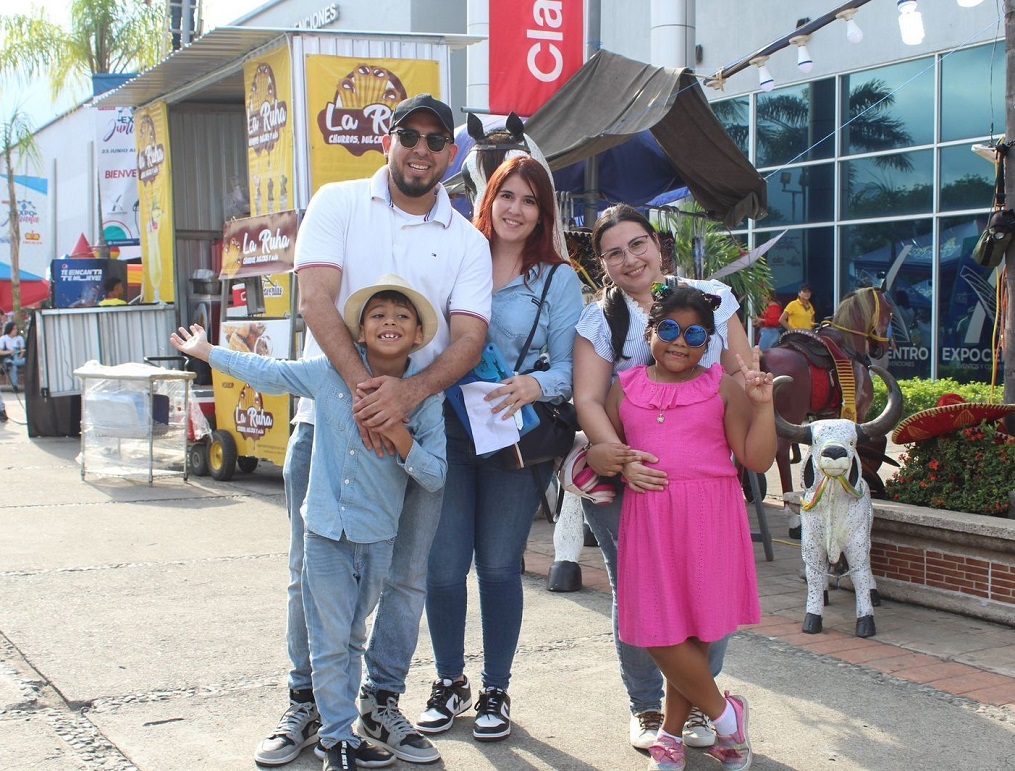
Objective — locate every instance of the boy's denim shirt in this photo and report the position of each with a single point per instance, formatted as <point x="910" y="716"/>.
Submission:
<point x="351" y="491"/>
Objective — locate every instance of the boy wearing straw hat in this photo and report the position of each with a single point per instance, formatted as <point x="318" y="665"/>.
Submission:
<point x="354" y="498"/>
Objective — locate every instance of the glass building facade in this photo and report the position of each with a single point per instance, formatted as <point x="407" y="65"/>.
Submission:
<point x="873" y="174"/>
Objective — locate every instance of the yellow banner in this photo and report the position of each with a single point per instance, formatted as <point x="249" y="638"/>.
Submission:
<point x="259" y="423"/>
<point x="267" y="81"/>
<point x="155" y="201"/>
<point x="350" y="102"/>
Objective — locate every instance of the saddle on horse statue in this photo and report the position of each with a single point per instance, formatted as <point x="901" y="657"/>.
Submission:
<point x="833" y="379"/>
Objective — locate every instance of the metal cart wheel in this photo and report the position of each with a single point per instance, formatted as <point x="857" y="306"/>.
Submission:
<point x="197" y="456"/>
<point x="247" y="463"/>
<point x="221" y="456"/>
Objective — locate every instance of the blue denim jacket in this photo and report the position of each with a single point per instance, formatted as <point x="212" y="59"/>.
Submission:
<point x="351" y="491"/>
<point x="514" y="310"/>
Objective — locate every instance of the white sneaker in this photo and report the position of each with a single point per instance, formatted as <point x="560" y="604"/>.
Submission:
<point x="698" y="730"/>
<point x="645" y="728"/>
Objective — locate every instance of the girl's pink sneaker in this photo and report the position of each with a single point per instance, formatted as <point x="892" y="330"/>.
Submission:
<point x="734" y="751"/>
<point x="667" y="755"/>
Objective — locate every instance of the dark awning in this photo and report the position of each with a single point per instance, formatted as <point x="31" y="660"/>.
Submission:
<point x="612" y="98"/>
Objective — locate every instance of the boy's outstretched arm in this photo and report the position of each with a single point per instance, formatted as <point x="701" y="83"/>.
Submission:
<point x="193" y="342"/>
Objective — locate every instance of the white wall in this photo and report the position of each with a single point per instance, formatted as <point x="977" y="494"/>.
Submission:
<point x="68" y="147"/>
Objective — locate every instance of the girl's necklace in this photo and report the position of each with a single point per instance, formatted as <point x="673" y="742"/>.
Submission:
<point x="652" y="376"/>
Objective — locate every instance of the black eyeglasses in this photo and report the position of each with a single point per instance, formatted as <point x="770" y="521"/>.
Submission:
<point x="409" y="138"/>
<point x="695" y="335"/>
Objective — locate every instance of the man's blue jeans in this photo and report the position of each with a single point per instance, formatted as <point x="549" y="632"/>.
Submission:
<point x="296" y="475"/>
<point x="488" y="511"/>
<point x="341" y="584"/>
<point x="642" y="679"/>
<point x="396" y="625"/>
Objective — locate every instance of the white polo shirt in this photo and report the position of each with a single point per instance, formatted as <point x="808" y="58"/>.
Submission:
<point x="355" y="227"/>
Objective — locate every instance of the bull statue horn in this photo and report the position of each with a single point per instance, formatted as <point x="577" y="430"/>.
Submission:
<point x="888" y="419"/>
<point x="785" y="429"/>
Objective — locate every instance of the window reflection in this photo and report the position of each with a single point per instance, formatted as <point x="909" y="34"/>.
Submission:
<point x="889" y="108"/>
<point x="902" y="183"/>
<point x="735" y="117"/>
<point x="792" y="119"/>
<point x="966" y="303"/>
<point x="972" y="92"/>
<point x="898" y="257"/>
<point x="967" y="181"/>
<point x="802" y="194"/>
<point x="803" y="256"/>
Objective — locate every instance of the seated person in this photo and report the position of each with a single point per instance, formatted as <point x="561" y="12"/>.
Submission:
<point x="113" y="288"/>
<point x="12" y="349"/>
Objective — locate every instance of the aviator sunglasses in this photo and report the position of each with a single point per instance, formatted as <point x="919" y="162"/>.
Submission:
<point x="695" y="336"/>
<point x="409" y="138"/>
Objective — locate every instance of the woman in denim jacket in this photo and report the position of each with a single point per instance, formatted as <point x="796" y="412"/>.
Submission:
<point x="488" y="508"/>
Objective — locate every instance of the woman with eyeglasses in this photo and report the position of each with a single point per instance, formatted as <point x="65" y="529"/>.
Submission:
<point x="611" y="339"/>
<point x="685" y="565"/>
<point x="488" y="507"/>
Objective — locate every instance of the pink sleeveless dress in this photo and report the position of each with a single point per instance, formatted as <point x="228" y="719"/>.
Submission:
<point x="686" y="563"/>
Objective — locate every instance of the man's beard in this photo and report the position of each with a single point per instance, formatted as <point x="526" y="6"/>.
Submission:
<point x="411" y="189"/>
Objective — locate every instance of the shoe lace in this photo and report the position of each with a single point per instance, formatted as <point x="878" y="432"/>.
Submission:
<point x="650" y="720"/>
<point x="491" y="701"/>
<point x="696" y="719"/>
<point x="440" y="693"/>
<point x="391" y="716"/>
<point x="294" y="718"/>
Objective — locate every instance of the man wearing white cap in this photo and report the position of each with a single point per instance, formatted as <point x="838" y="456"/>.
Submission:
<point x="398" y="221"/>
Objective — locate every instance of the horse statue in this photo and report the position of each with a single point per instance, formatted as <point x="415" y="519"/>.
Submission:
<point x="830" y="374"/>
<point x="490" y="151"/>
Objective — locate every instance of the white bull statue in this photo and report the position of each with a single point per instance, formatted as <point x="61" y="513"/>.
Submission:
<point x="835" y="511"/>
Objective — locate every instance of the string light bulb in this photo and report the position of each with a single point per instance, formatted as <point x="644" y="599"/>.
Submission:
<point x="765" y="80"/>
<point x="910" y="22"/>
<point x="803" y="56"/>
<point x="853" y="32"/>
<point x="969" y="3"/>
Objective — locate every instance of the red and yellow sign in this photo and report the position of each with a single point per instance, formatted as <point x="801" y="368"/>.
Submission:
<point x="155" y="197"/>
<point x="268" y="85"/>
<point x="350" y="102"/>
<point x="258" y="422"/>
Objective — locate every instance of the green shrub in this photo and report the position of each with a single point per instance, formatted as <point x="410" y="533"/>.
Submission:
<point x="969" y="470"/>
<point x="920" y="394"/>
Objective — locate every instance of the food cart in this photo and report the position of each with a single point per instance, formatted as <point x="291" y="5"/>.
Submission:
<point x="242" y="125"/>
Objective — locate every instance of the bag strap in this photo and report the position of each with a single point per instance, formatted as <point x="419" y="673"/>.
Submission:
<point x="535" y="324"/>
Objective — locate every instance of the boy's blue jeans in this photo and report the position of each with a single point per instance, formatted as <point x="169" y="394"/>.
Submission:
<point x="396" y="626"/>
<point x="642" y="679"/>
<point x="342" y="582"/>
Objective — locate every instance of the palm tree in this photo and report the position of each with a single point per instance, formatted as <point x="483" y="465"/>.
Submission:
<point x="17" y="148"/>
<point x="105" y="36"/>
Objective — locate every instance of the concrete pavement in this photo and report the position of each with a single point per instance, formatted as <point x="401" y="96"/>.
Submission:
<point x="143" y="628"/>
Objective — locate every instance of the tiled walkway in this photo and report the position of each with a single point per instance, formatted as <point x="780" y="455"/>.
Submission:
<point x="961" y="656"/>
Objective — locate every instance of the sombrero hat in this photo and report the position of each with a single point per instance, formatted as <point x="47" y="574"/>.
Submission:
<point x="950" y="414"/>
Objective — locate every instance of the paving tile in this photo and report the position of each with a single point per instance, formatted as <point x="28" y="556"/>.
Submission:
<point x="871" y="652"/>
<point x="835" y="645"/>
<point x="904" y="661"/>
<point x="1000" y="695"/>
<point x="973" y="680"/>
<point x="933" y="672"/>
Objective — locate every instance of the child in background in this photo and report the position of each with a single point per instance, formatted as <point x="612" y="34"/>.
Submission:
<point x="686" y="562"/>
<point x="354" y="498"/>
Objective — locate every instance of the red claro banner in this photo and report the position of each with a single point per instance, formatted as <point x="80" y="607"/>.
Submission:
<point x="535" y="46"/>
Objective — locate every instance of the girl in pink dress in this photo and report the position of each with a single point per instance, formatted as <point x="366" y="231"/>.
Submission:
<point x="686" y="564"/>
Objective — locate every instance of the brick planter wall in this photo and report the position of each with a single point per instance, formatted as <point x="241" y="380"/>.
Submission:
<point x="959" y="562"/>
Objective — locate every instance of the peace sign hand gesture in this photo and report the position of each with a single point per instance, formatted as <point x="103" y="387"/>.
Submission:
<point x="757" y="384"/>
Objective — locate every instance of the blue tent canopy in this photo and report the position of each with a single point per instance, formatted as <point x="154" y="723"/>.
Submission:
<point x="5" y="274"/>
